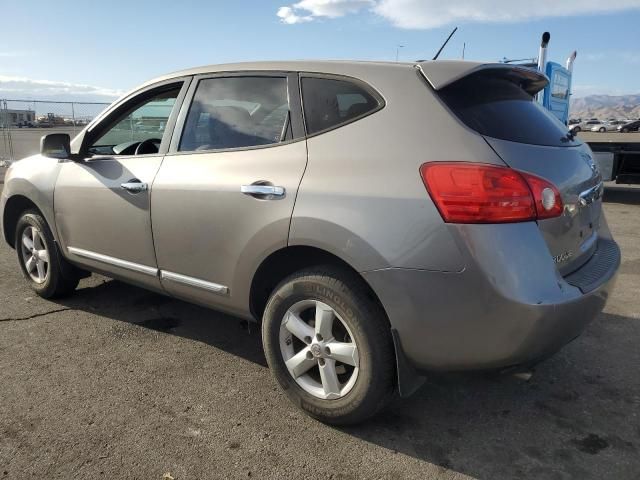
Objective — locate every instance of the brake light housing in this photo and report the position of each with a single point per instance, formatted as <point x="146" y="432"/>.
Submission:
<point x="547" y="198"/>
<point x="483" y="193"/>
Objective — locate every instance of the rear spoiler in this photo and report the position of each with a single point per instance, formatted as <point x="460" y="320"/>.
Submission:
<point x="442" y="73"/>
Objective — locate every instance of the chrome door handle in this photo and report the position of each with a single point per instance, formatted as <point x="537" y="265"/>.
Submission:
<point x="268" y="191"/>
<point x="134" y="187"/>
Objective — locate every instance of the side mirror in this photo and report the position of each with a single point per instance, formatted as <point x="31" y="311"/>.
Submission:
<point x="56" y="145"/>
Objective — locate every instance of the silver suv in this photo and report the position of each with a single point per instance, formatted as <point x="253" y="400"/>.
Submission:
<point x="379" y="220"/>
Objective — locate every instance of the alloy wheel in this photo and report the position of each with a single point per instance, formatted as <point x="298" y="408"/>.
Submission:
<point x="319" y="350"/>
<point x="35" y="254"/>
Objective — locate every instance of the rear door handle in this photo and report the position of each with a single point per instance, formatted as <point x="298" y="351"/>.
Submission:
<point x="134" y="186"/>
<point x="263" y="191"/>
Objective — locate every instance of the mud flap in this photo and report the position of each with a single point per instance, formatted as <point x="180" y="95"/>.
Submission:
<point x="409" y="380"/>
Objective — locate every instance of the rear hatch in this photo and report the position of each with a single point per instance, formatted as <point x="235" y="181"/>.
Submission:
<point x="497" y="101"/>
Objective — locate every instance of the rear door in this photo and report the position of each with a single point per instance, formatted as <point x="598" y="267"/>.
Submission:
<point x="223" y="198"/>
<point x="530" y="139"/>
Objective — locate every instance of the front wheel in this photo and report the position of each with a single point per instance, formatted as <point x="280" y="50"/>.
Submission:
<point x="602" y="130"/>
<point x="42" y="265"/>
<point x="329" y="345"/>
<point x="624" y="130"/>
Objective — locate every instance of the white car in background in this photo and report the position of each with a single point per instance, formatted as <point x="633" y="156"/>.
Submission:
<point x="611" y="126"/>
<point x="585" y="126"/>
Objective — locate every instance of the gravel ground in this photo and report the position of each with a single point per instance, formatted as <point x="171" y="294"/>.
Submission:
<point x="117" y="382"/>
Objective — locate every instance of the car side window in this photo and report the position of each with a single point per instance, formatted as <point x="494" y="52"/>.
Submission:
<point x="236" y="112"/>
<point x="329" y="103"/>
<point x="560" y="87"/>
<point x="144" y="120"/>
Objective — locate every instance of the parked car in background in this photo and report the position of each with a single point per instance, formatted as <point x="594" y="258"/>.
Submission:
<point x="610" y="126"/>
<point x="320" y="199"/>
<point x="629" y="127"/>
<point x="585" y="126"/>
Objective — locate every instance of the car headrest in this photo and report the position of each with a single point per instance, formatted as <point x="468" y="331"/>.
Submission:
<point x="236" y="118"/>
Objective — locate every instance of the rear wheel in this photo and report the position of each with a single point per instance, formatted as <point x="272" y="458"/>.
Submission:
<point x="602" y="130"/>
<point x="624" y="130"/>
<point x="576" y="130"/>
<point x="329" y="346"/>
<point x="42" y="265"/>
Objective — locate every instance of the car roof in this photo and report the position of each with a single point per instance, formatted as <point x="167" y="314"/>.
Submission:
<point x="439" y="73"/>
<point x="286" y="65"/>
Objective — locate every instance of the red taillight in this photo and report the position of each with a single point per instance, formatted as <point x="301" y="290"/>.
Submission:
<point x="547" y="197"/>
<point x="481" y="193"/>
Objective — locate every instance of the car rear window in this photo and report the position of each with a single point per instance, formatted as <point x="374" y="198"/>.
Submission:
<point x="498" y="107"/>
<point x="329" y="103"/>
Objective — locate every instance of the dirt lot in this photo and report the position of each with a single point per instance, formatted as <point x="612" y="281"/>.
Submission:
<point x="116" y="382"/>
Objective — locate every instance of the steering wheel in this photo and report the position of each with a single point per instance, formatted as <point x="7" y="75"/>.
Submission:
<point x="150" y="145"/>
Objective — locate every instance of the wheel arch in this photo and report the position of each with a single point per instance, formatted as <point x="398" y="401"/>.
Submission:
<point x="281" y="263"/>
<point x="13" y="208"/>
<point x="287" y="260"/>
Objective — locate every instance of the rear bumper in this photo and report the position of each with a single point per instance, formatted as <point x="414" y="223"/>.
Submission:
<point x="494" y="314"/>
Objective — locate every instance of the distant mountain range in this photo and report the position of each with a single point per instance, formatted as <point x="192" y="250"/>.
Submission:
<point x="606" y="106"/>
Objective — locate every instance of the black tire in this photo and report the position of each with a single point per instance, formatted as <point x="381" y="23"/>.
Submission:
<point x="576" y="129"/>
<point x="344" y="292"/>
<point x="602" y="130"/>
<point x="61" y="278"/>
<point x="624" y="130"/>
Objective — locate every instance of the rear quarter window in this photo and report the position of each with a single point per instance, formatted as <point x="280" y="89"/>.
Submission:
<point x="499" y="108"/>
<point x="329" y="103"/>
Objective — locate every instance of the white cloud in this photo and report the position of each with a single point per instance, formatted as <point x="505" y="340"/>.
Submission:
<point x="592" y="57"/>
<point x="425" y="14"/>
<point x="333" y="8"/>
<point x="624" y="57"/>
<point x="288" y="15"/>
<point x="16" y="87"/>
<point x="629" y="57"/>
<point x="435" y="13"/>
<point x="308" y="10"/>
<point x="579" y="91"/>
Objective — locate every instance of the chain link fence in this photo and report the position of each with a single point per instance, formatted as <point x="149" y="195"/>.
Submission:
<point x="24" y="122"/>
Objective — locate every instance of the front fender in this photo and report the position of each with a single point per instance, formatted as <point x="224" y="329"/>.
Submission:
<point x="34" y="179"/>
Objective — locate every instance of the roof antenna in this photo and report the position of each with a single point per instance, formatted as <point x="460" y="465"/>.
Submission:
<point x="445" y="44"/>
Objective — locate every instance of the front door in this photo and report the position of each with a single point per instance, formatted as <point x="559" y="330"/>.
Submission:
<point x="102" y="203"/>
<point x="224" y="195"/>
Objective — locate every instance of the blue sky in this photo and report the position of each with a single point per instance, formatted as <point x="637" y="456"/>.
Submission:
<point x="95" y="50"/>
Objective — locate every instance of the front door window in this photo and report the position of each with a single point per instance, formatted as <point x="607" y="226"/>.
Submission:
<point x="139" y="129"/>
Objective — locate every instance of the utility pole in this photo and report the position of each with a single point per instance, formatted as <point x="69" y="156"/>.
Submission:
<point x="398" y="52"/>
